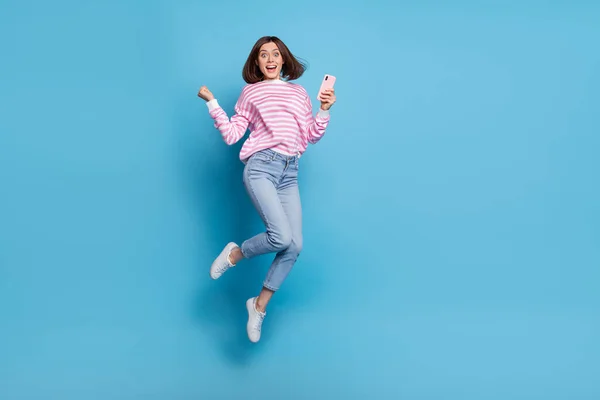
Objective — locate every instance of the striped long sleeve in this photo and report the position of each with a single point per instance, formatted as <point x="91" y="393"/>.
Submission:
<point x="232" y="130"/>
<point x="315" y="126"/>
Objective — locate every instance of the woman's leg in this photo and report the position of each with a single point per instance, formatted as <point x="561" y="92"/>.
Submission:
<point x="285" y="259"/>
<point x="261" y="178"/>
<point x="235" y="256"/>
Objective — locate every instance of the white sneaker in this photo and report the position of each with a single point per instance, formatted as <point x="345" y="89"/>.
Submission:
<point x="255" y="320"/>
<point x="221" y="263"/>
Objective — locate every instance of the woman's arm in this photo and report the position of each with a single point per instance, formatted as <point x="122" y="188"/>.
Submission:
<point x="317" y="125"/>
<point x="232" y="130"/>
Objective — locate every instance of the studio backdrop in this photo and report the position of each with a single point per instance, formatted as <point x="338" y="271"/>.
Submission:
<point x="451" y="211"/>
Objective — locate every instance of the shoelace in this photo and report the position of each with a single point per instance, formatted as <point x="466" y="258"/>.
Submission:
<point x="225" y="266"/>
<point x="258" y="321"/>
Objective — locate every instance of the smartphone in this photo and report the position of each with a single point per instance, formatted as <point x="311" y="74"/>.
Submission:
<point x="328" y="82"/>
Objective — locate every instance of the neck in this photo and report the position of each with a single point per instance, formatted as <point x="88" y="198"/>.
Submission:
<point x="273" y="81"/>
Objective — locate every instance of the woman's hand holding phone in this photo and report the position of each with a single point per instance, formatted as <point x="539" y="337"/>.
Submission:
<point x="327" y="98"/>
<point x="326" y="92"/>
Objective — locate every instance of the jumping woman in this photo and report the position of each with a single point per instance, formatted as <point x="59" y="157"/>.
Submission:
<point x="279" y="115"/>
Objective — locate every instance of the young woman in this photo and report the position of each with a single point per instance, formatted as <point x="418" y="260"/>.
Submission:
<point x="279" y="115"/>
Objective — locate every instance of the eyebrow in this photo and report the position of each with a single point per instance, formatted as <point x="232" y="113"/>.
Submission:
<point x="265" y="51"/>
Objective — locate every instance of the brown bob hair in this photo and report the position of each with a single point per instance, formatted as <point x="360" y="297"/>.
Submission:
<point x="290" y="70"/>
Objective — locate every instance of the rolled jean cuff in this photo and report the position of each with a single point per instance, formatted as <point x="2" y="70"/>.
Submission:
<point x="245" y="251"/>
<point x="266" y="285"/>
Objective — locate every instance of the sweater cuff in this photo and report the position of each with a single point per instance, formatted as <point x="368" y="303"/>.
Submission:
<point x="323" y="113"/>
<point x="212" y="105"/>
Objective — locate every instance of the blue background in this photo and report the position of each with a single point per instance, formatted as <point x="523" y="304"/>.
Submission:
<point x="452" y="212"/>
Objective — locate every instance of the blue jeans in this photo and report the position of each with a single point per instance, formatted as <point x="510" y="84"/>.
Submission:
<point x="271" y="180"/>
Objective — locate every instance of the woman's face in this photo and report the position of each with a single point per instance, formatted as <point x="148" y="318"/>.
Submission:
<point x="270" y="61"/>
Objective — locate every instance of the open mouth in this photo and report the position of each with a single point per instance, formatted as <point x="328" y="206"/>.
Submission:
<point x="271" y="68"/>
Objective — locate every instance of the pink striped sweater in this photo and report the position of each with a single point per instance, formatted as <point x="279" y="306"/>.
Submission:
<point x="279" y="116"/>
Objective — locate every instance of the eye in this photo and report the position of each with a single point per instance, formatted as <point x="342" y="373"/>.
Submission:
<point x="276" y="54"/>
